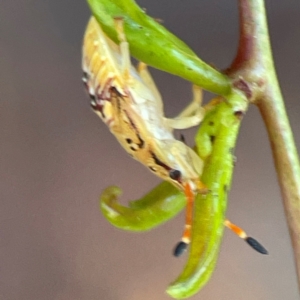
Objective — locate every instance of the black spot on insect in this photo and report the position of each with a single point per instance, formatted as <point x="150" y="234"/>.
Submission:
<point x="175" y="174"/>
<point x="133" y="149"/>
<point x="141" y="143"/>
<point x="85" y="77"/>
<point x="225" y="188"/>
<point x="211" y="123"/>
<point x="212" y="138"/>
<point x="92" y="97"/>
<point x="129" y="141"/>
<point x="97" y="107"/>
<point x="152" y="169"/>
<point x="159" y="162"/>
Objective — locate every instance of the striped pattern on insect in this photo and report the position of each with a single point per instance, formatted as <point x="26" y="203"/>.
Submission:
<point x="128" y="101"/>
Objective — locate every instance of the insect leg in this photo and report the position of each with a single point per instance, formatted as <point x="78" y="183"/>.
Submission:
<point x="192" y="115"/>
<point x="186" y="122"/>
<point x="242" y="234"/>
<point x="194" y="105"/>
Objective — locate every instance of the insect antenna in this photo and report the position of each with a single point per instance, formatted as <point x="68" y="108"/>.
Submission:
<point x="186" y="237"/>
<point x="242" y="234"/>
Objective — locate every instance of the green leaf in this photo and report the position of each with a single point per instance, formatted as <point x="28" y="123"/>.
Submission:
<point x="153" y="44"/>
<point x="161" y="204"/>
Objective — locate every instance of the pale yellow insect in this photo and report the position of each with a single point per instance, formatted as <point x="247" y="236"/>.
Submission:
<point x="127" y="100"/>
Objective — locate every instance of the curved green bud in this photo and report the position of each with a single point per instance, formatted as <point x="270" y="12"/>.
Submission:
<point x="161" y="204"/>
<point x="209" y="212"/>
<point x="153" y="44"/>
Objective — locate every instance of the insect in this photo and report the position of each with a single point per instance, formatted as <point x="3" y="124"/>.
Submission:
<point x="127" y="100"/>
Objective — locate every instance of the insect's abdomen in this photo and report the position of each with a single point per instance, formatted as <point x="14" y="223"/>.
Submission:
<point x="99" y="62"/>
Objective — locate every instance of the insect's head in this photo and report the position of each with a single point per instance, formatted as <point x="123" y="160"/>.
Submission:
<point x="177" y="163"/>
<point x="182" y="180"/>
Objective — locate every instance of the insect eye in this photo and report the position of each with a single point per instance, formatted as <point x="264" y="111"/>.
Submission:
<point x="175" y="174"/>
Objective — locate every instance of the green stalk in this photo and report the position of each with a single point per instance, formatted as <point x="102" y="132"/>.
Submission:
<point x="158" y="206"/>
<point x="153" y="44"/>
<point x="221" y="128"/>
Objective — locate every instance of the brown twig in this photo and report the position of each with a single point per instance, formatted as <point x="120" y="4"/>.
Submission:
<point x="253" y="72"/>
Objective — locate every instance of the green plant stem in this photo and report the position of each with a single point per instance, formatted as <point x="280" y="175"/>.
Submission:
<point x="254" y="64"/>
<point x="158" y="206"/>
<point x="220" y="128"/>
<point x="153" y="44"/>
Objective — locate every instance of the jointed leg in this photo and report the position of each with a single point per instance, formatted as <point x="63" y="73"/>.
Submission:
<point x="192" y="108"/>
<point x="192" y="115"/>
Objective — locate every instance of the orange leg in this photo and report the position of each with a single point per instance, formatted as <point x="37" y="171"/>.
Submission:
<point x="186" y="237"/>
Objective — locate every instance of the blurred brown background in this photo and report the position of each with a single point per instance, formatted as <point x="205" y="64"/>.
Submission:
<point x="57" y="156"/>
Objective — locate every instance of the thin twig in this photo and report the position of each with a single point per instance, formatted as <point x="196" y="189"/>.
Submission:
<point x="286" y="162"/>
<point x="256" y="72"/>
